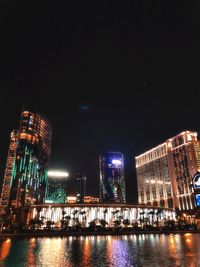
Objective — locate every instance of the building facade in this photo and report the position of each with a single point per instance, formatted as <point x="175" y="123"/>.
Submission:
<point x="56" y="190"/>
<point x="112" y="182"/>
<point x="7" y="180"/>
<point x="165" y="173"/>
<point x="91" y="199"/>
<point x="29" y="177"/>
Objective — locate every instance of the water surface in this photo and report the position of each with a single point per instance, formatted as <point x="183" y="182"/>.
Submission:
<point x="93" y="251"/>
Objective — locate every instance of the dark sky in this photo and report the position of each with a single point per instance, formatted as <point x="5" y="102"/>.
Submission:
<point x="109" y="76"/>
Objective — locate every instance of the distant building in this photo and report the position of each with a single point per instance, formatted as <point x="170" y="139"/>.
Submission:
<point x="91" y="199"/>
<point x="8" y="176"/>
<point x="165" y="173"/>
<point x="57" y="187"/>
<point x="82" y="181"/>
<point x="29" y="177"/>
<point x="71" y="199"/>
<point x="112" y="183"/>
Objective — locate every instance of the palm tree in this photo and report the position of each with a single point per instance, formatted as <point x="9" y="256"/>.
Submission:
<point x="104" y="213"/>
<point x="123" y="210"/>
<point x="63" y="214"/>
<point x="92" y="225"/>
<point x="159" y="212"/>
<point x="36" y="223"/>
<point x="126" y="222"/>
<point x="67" y="220"/>
<point x="151" y="213"/>
<point x="38" y="211"/>
<point x="114" y="212"/>
<point x="103" y="223"/>
<point x="49" y="224"/>
<point x="74" y="215"/>
<point x="82" y="213"/>
<point x="117" y="223"/>
<point x="141" y="219"/>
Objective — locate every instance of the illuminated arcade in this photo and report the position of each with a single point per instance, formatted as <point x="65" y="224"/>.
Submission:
<point x="110" y="212"/>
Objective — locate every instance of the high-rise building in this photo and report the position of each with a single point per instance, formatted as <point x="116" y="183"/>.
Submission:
<point x="112" y="183"/>
<point x="29" y="180"/>
<point x="57" y="187"/>
<point x="7" y="181"/>
<point x="165" y="173"/>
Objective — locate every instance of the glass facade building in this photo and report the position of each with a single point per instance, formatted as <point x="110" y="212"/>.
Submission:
<point x="29" y="176"/>
<point x="56" y="190"/>
<point x="165" y="173"/>
<point x="112" y="182"/>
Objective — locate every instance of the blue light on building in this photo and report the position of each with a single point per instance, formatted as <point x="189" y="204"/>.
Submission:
<point x="198" y="200"/>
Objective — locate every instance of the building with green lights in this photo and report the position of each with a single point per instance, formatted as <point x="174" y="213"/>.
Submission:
<point x="29" y="174"/>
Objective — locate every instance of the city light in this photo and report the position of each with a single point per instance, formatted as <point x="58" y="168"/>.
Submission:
<point x="116" y="162"/>
<point x="58" y="174"/>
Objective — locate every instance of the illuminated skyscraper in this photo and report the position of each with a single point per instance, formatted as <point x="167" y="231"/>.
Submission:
<point x="33" y="150"/>
<point x="7" y="181"/>
<point x="165" y="173"/>
<point x="112" y="183"/>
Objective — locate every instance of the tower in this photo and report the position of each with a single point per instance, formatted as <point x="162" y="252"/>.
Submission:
<point x="32" y="155"/>
<point x="112" y="183"/>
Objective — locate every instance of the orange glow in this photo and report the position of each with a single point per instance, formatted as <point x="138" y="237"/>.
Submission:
<point x="86" y="253"/>
<point x="31" y="258"/>
<point x="188" y="234"/>
<point x="5" y="249"/>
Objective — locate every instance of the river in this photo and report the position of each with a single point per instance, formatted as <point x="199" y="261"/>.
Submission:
<point x="98" y="251"/>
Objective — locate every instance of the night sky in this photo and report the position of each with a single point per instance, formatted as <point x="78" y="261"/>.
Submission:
<point x="109" y="76"/>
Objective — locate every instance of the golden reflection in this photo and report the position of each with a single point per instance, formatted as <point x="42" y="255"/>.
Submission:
<point x="86" y="252"/>
<point x="171" y="240"/>
<point x="31" y="256"/>
<point x="32" y="240"/>
<point x="188" y="234"/>
<point x="53" y="253"/>
<point x="5" y="249"/>
<point x="188" y="239"/>
<point x="110" y="240"/>
<point x="172" y="247"/>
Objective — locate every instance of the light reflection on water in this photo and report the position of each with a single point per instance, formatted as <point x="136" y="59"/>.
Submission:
<point x="88" y="251"/>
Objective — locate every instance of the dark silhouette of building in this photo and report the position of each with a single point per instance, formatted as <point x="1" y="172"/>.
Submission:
<point x="82" y="181"/>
